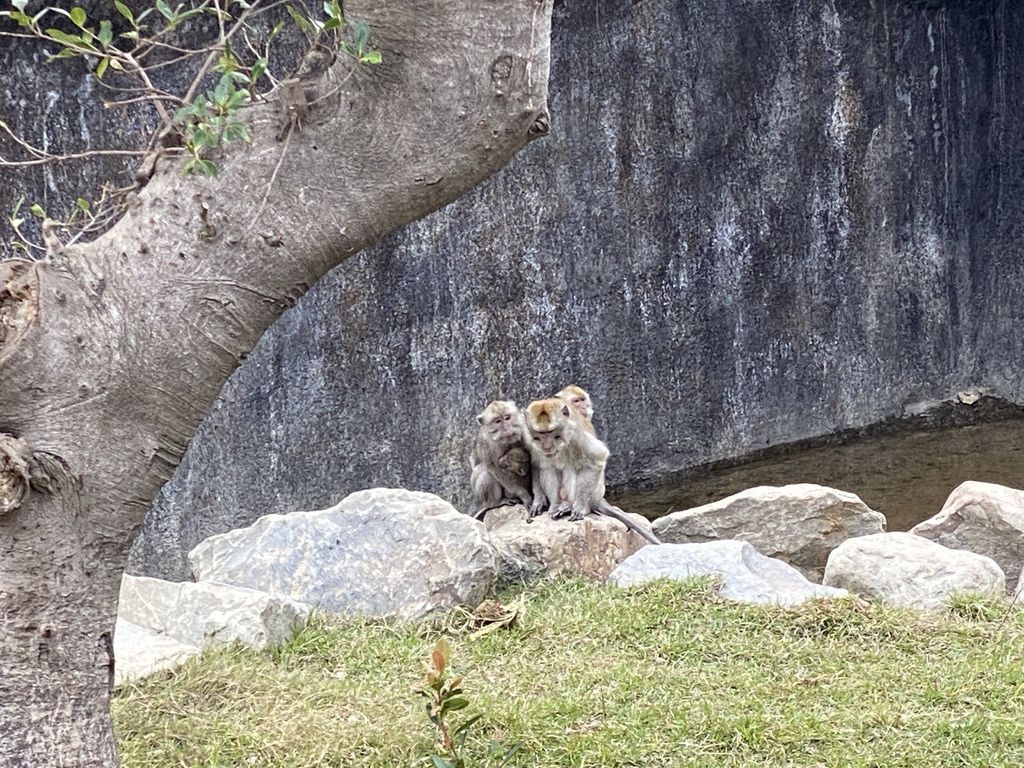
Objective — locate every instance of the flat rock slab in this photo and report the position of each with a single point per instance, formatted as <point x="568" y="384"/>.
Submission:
<point x="907" y="570"/>
<point x="205" y="614"/>
<point x="380" y="552"/>
<point x="590" y="547"/>
<point x="139" y="652"/>
<point x="798" y="524"/>
<point x="747" y="576"/>
<point x="984" y="518"/>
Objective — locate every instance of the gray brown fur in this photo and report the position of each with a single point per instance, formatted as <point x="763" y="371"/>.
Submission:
<point x="498" y="476"/>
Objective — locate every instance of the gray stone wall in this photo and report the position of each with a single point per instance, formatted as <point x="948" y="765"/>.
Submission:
<point x="754" y="222"/>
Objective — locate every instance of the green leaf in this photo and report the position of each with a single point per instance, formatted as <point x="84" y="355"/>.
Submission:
<point x="455" y="704"/>
<point x="257" y="70"/>
<point x="16" y="222"/>
<point x="20" y="17"/>
<point x="300" y="21"/>
<point x="78" y="16"/>
<point x="101" y="68"/>
<point x="115" y="64"/>
<point x="82" y="204"/>
<point x="19" y="4"/>
<point x="106" y="35"/>
<point x="38" y="211"/>
<point x="125" y="11"/>
<point x="209" y="168"/>
<point x="370" y="57"/>
<point x="165" y="11"/>
<point x="63" y="37"/>
<point x="464" y="728"/>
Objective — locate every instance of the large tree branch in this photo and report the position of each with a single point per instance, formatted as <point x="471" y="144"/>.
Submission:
<point x="111" y="353"/>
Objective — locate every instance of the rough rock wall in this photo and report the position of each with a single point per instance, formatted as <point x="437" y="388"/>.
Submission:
<point x="754" y="222"/>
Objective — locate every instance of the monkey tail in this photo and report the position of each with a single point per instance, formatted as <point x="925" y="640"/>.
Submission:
<point x="605" y="508"/>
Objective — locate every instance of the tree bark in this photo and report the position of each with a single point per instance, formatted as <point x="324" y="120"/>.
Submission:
<point x="112" y="352"/>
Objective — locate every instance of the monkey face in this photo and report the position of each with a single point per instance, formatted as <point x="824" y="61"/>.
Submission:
<point x="549" y="442"/>
<point x="501" y="421"/>
<point x="578" y="400"/>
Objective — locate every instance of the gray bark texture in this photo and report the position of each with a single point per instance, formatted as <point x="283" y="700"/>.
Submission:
<point x="755" y="222"/>
<point x="112" y="352"/>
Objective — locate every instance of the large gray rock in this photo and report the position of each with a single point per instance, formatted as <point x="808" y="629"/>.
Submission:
<point x="906" y="570"/>
<point x="747" y="576"/>
<point x="743" y="231"/>
<point x="380" y="552"/>
<point x="798" y="524"/>
<point x="207" y="614"/>
<point x="983" y="518"/>
<point x="139" y="652"/>
<point x="591" y="547"/>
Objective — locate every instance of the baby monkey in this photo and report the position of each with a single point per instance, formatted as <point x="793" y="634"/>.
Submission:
<point x="500" y="463"/>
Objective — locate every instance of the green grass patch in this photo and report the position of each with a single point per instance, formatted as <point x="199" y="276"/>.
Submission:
<point x="665" y="675"/>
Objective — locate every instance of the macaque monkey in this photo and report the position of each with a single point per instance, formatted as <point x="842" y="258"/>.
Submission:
<point x="569" y="461"/>
<point x="500" y="464"/>
<point x="579" y="401"/>
<point x="517" y="461"/>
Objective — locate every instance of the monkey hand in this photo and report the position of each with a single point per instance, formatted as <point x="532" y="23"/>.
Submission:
<point x="538" y="508"/>
<point x="561" y="510"/>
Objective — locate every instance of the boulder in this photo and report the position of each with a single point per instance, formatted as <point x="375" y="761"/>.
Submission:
<point x="379" y="552"/>
<point x="747" y="576"/>
<point x="206" y="613"/>
<point x="591" y="547"/>
<point x="907" y="570"/>
<point x="139" y="652"/>
<point x="984" y="518"/>
<point x="798" y="524"/>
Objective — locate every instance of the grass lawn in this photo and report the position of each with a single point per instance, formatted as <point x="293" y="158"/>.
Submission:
<point x="662" y="675"/>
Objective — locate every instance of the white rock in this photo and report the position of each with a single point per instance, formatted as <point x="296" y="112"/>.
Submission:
<point x="207" y="614"/>
<point x="380" y="552"/>
<point x="906" y="570"/>
<point x="138" y="652"/>
<point x="747" y="575"/>
<point x="984" y="518"/>
<point x="798" y="524"/>
<point x="591" y="547"/>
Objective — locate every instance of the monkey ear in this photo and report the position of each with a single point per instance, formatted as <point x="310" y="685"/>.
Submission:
<point x="565" y="410"/>
<point x="480" y="419"/>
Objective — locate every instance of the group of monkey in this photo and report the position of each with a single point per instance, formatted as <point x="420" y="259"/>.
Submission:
<point x="547" y="458"/>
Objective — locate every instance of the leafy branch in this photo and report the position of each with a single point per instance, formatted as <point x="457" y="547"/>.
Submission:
<point x="209" y="115"/>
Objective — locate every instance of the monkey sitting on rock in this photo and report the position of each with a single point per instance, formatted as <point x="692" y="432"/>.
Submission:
<point x="500" y="463"/>
<point x="565" y="460"/>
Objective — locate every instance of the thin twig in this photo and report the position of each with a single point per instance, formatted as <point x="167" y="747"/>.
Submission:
<point x="137" y="99"/>
<point x="273" y="178"/>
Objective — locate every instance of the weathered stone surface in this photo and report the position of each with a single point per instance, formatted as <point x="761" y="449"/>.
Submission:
<point x="139" y="652"/>
<point x="379" y="552"/>
<point x="906" y="570"/>
<point x="747" y="575"/>
<point x="984" y="518"/>
<point x="206" y="613"/>
<point x="798" y="524"/>
<point x="590" y="547"/>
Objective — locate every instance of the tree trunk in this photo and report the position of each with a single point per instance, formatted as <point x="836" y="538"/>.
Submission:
<point x="112" y="352"/>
